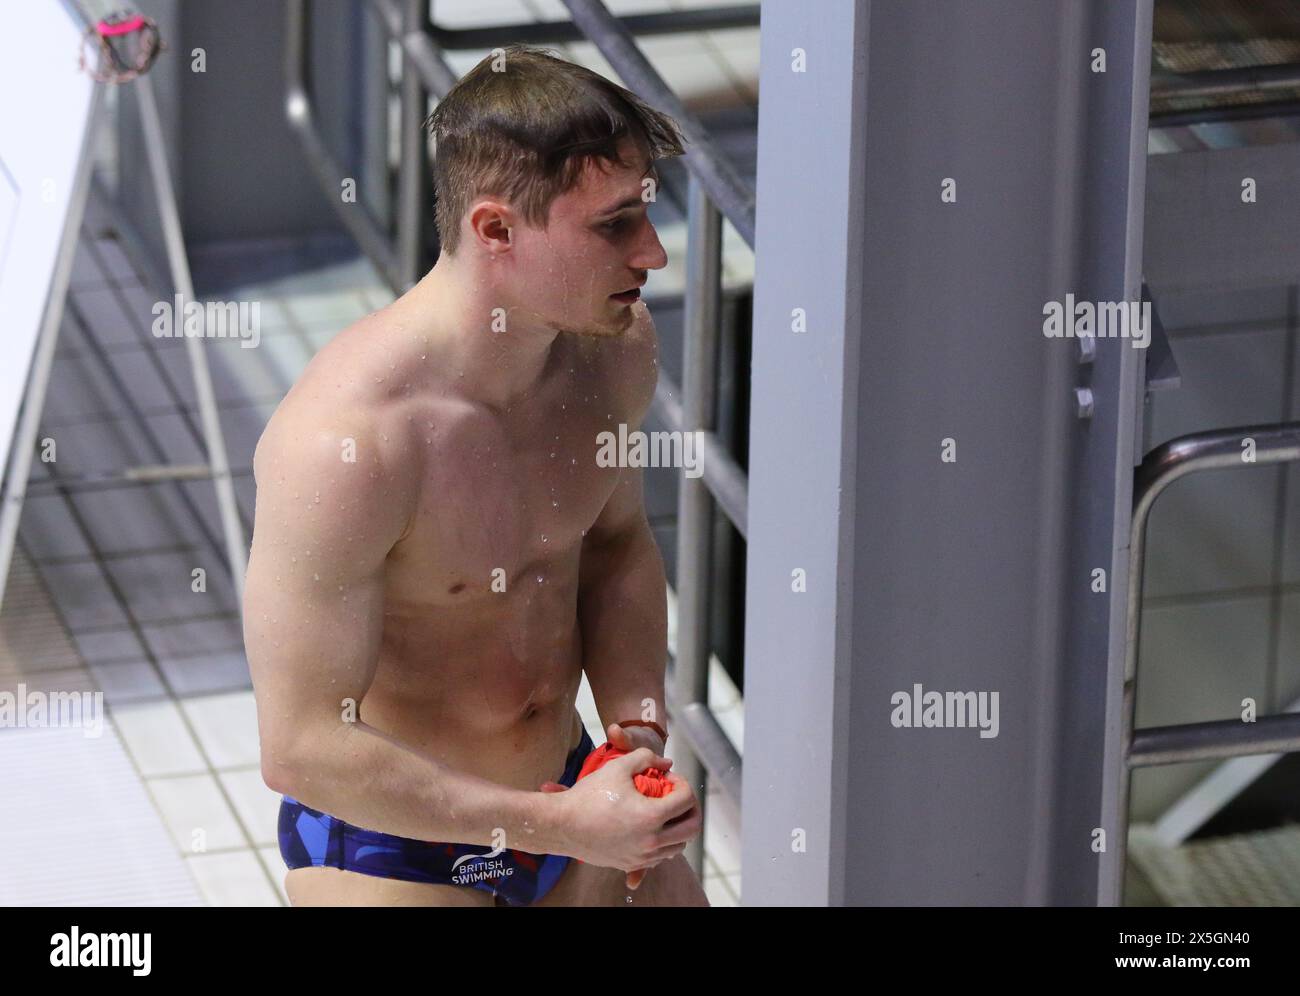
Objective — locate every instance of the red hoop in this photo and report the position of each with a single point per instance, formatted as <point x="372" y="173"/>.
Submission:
<point x="127" y="43"/>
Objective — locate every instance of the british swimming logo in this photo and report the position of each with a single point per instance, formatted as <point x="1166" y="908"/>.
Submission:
<point x="471" y="868"/>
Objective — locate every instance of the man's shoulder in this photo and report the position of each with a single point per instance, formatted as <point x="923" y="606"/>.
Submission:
<point x="349" y="398"/>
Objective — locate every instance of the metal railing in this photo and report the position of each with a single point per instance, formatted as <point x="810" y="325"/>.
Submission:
<point x="1219" y="450"/>
<point x="558" y="32"/>
<point x="369" y="234"/>
<point x="715" y="190"/>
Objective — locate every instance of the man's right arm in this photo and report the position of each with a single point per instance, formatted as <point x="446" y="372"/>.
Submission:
<point x="313" y="620"/>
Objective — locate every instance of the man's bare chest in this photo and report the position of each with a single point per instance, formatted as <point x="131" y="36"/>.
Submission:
<point x="503" y="497"/>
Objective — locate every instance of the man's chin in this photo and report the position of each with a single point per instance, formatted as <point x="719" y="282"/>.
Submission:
<point x="598" y="330"/>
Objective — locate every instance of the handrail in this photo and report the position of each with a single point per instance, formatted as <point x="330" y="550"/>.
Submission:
<point x="425" y="54"/>
<point x="412" y="190"/>
<point x="720" y="180"/>
<point x="360" y="225"/>
<point x="700" y="320"/>
<point x="1218" y="450"/>
<point x="1234" y="82"/>
<point x="726" y="480"/>
<point x="1209" y="741"/>
<point x="560" y="32"/>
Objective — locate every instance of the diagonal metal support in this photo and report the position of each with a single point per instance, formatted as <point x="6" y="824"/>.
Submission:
<point x="213" y="436"/>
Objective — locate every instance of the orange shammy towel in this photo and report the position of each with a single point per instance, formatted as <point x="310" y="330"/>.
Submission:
<point x="650" y="782"/>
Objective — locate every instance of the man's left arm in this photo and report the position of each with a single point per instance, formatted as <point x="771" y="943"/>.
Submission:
<point x="623" y="614"/>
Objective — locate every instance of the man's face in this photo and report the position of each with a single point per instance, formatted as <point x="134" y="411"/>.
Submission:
<point x="598" y="242"/>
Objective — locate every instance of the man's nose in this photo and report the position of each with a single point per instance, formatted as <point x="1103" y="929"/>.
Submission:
<point x="650" y="253"/>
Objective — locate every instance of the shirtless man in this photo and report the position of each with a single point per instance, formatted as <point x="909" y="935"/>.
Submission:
<point x="438" y="556"/>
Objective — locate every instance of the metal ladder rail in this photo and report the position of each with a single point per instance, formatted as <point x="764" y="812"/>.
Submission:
<point x="669" y="22"/>
<point x="367" y="232"/>
<point x="1218" y="450"/>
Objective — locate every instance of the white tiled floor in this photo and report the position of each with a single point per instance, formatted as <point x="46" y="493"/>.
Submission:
<point x="226" y="726"/>
<point x="157" y="739"/>
<point x="196" y="812"/>
<point x="234" y="878"/>
<point x="257" y="806"/>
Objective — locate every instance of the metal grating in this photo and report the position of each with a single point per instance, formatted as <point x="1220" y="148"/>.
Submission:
<point x="100" y="841"/>
<point x="33" y="639"/>
<point x="1248" y="869"/>
<point x="1203" y="35"/>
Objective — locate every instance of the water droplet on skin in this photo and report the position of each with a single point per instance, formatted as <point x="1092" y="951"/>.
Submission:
<point x="316" y="577"/>
<point x="539" y="579"/>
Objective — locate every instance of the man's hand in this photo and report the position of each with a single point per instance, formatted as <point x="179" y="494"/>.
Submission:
<point x="613" y="825"/>
<point x="629" y="738"/>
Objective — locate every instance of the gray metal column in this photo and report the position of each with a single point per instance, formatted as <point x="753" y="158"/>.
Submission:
<point x="924" y="319"/>
<point x="798" y="651"/>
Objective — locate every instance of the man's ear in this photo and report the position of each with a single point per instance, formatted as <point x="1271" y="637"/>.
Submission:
<point x="493" y="225"/>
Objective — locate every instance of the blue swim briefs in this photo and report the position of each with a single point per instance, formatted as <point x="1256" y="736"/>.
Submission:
<point x="309" y="838"/>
